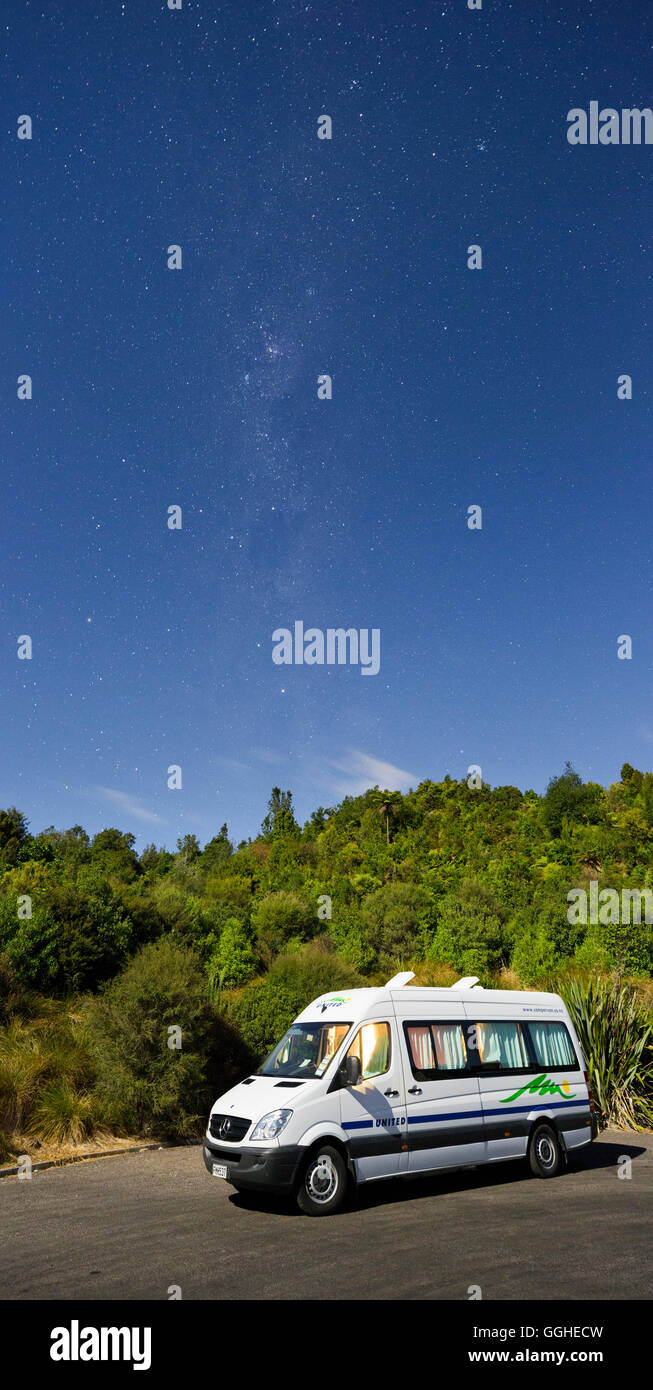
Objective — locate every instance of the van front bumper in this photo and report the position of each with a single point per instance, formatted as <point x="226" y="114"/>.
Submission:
<point x="256" y="1168"/>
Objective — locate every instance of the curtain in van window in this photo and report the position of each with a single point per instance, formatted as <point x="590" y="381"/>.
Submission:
<point x="449" y="1046"/>
<point x="502" y="1043"/>
<point x="551" y="1043"/>
<point x="421" y="1047"/>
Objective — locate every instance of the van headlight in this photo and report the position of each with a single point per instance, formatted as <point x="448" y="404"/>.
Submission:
<point x="271" y="1125"/>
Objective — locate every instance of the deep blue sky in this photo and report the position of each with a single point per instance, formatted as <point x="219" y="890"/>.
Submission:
<point x="451" y="387"/>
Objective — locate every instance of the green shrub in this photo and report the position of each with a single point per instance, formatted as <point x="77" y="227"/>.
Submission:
<point x="12" y="995"/>
<point x="567" y="796"/>
<point x="266" y="1007"/>
<point x="534" y="956"/>
<point x="393" y="921"/>
<point x="352" y="945"/>
<point x="470" y="934"/>
<point x="37" y="1055"/>
<point x="72" y="941"/>
<point x="233" y="960"/>
<point x="592" y="955"/>
<point x="24" y="1066"/>
<point x="616" y="1035"/>
<point x="62" y="1114"/>
<point x="278" y="917"/>
<point x="144" y="1085"/>
<point x="625" y="948"/>
<point x="14" y="835"/>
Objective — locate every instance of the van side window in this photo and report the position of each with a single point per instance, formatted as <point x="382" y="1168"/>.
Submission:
<point x="372" y="1047"/>
<point x="435" y="1049"/>
<point x="552" y="1045"/>
<point x="503" y="1045"/>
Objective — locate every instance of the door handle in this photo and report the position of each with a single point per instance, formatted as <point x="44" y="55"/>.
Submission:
<point x="415" y="1091"/>
<point x="390" y="1092"/>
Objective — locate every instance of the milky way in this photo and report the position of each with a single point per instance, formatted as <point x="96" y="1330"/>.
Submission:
<point x="198" y="387"/>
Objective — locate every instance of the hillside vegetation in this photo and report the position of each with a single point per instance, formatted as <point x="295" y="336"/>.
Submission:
<point x="102" y="949"/>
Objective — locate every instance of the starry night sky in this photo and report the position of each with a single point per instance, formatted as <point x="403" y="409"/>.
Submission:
<point x="197" y="387"/>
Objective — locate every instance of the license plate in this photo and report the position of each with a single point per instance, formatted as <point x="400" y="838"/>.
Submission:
<point x="219" y="1170"/>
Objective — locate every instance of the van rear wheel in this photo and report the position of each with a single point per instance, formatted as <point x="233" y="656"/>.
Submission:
<point x="545" y="1153"/>
<point x="323" y="1184"/>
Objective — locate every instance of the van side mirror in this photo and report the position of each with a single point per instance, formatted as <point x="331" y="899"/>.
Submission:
<point x="352" y="1071"/>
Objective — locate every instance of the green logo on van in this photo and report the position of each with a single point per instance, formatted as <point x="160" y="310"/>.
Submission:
<point x="335" y="1001"/>
<point x="542" y="1086"/>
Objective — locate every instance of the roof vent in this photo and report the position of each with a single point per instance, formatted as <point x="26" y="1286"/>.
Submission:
<point x="469" y="982"/>
<point x="403" y="978"/>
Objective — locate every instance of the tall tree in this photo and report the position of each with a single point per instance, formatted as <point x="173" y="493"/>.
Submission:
<point x="188" y="849"/>
<point x="280" y="819"/>
<point x="13" y="834"/>
<point x="387" y="811"/>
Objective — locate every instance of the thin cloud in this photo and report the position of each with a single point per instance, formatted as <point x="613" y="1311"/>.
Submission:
<point x="130" y="805"/>
<point x="267" y="755"/>
<point x="233" y="764"/>
<point x="363" y="772"/>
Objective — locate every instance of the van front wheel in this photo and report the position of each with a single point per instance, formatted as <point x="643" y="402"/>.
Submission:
<point x="323" y="1184"/>
<point x="544" y="1153"/>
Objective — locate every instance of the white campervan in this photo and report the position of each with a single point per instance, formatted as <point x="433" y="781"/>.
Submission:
<point x="376" y="1083"/>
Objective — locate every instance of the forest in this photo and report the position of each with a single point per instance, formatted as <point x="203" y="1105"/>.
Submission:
<point x="104" y="951"/>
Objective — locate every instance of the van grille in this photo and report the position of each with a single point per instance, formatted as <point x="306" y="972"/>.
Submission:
<point x="229" y="1128"/>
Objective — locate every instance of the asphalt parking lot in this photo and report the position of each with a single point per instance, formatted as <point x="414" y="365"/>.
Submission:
<point x="135" y="1226"/>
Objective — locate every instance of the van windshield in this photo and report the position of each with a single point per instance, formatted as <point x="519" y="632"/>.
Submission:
<point x="306" y="1050"/>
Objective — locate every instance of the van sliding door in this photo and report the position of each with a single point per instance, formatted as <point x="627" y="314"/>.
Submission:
<point x="445" y="1124"/>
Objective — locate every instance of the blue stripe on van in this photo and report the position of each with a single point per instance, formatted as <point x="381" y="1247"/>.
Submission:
<point x="524" y="1109"/>
<point x="458" y="1115"/>
<point x="475" y="1114"/>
